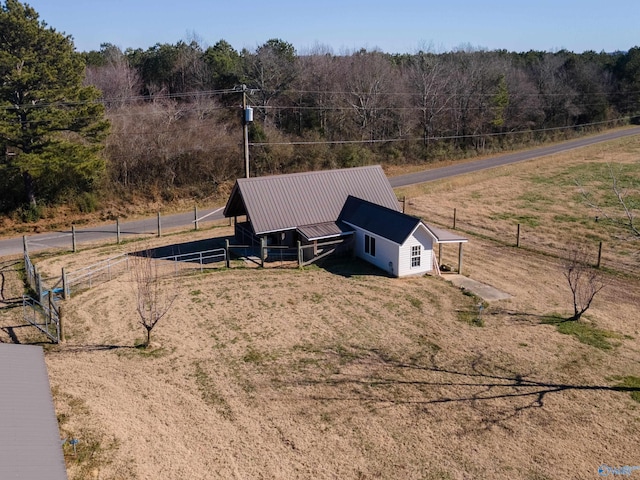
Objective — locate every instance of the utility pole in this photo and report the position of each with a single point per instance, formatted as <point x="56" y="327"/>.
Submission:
<point x="247" y="117"/>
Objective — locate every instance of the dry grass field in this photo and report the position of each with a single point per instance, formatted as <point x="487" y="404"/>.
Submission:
<point x="341" y="372"/>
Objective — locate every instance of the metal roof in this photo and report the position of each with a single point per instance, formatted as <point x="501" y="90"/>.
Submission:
<point x="445" y="236"/>
<point x="324" y="230"/>
<point x="390" y="224"/>
<point x="285" y="202"/>
<point x="30" y="447"/>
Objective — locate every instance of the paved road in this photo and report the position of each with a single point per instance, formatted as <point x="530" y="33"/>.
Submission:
<point x="62" y="239"/>
<point x="474" y="166"/>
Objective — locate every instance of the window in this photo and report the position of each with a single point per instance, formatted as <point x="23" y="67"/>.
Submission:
<point x="370" y="245"/>
<point x="415" y="256"/>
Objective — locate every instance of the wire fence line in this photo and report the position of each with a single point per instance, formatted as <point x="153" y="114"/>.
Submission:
<point x="617" y="254"/>
<point x="41" y="310"/>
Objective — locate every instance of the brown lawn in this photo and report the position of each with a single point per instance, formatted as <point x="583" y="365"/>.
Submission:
<point x="341" y="372"/>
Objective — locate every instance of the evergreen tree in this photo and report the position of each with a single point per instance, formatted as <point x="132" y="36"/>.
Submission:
<point x="51" y="126"/>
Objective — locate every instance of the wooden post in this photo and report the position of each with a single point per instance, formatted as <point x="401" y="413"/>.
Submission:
<point x="118" y="230"/>
<point x="39" y="286"/>
<point x="460" y="258"/>
<point x="159" y="226"/>
<point x="518" y="237"/>
<point x="300" y="259"/>
<point x="262" y="251"/>
<point x="60" y="324"/>
<point x="73" y="237"/>
<point x="195" y="216"/>
<point x="454" y="218"/>
<point x="404" y="203"/>
<point x="599" y="255"/>
<point x="227" y="256"/>
<point x="439" y="254"/>
<point x="64" y="285"/>
<point x="24" y="245"/>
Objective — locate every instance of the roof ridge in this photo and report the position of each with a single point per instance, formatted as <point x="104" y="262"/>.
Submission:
<point x="310" y="172"/>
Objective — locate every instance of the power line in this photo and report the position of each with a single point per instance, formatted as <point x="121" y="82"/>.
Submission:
<point x="438" y="138"/>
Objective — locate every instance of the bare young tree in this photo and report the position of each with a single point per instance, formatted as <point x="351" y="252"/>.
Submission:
<point x="626" y="198"/>
<point x="153" y="298"/>
<point x="584" y="280"/>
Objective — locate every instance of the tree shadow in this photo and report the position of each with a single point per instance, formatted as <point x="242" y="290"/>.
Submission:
<point x="70" y="348"/>
<point x="497" y="398"/>
<point x="526" y="317"/>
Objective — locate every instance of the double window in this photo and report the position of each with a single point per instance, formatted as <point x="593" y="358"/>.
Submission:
<point x="415" y="256"/>
<point x="370" y="245"/>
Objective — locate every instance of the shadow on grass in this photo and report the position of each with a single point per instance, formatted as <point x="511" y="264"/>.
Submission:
<point x="185" y="248"/>
<point x="350" y="267"/>
<point x="471" y="386"/>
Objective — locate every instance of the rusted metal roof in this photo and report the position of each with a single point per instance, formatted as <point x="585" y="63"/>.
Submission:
<point x="324" y="230"/>
<point x="385" y="222"/>
<point x="30" y="446"/>
<point x="445" y="236"/>
<point x="285" y="202"/>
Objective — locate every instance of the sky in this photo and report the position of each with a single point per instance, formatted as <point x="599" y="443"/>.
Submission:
<point x="400" y="26"/>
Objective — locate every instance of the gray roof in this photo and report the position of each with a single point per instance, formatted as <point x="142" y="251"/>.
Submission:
<point x="324" y="230"/>
<point x="30" y="446"/>
<point x="285" y="202"/>
<point x="390" y="224"/>
<point x="445" y="236"/>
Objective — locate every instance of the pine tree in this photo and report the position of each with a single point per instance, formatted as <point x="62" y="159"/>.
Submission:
<point x="51" y="126"/>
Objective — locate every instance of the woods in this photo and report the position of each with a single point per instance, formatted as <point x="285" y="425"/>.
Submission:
<point x="174" y="111"/>
<point x="176" y="115"/>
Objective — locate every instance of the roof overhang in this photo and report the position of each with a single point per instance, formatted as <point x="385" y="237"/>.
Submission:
<point x="445" y="236"/>
<point x="29" y="436"/>
<point x="325" y="230"/>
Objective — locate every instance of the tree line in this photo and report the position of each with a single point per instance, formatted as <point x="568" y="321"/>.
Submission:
<point x="165" y="122"/>
<point x="175" y="109"/>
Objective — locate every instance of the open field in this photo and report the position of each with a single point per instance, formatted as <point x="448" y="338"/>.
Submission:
<point x="546" y="198"/>
<point x="341" y="372"/>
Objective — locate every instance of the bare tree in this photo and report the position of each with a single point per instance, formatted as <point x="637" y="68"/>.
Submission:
<point x="153" y="299"/>
<point x="584" y="280"/>
<point x="626" y="198"/>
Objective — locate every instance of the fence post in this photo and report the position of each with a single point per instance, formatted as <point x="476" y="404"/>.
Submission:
<point x="300" y="259"/>
<point x="39" y="287"/>
<point x="454" y="218"/>
<point x="65" y="293"/>
<point x="118" y="230"/>
<point x="73" y="237"/>
<point x="404" y="203"/>
<point x="599" y="255"/>
<point x="195" y="216"/>
<point x="60" y="324"/>
<point x="518" y="237"/>
<point x="24" y="245"/>
<point x="226" y="253"/>
<point x="159" y="226"/>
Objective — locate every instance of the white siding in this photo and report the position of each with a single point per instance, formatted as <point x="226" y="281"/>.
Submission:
<point x="419" y="237"/>
<point x="386" y="252"/>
